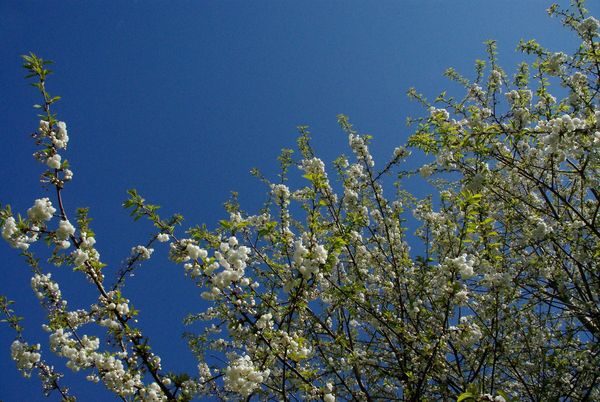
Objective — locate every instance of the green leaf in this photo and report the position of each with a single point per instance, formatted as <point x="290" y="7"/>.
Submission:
<point x="225" y="224"/>
<point x="465" y="396"/>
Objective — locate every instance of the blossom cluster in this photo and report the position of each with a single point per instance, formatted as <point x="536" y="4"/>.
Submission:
<point x="83" y="353"/>
<point x="308" y="261"/>
<point x="15" y="237"/>
<point x="45" y="288"/>
<point x="142" y="252"/>
<point x="41" y="211"/>
<point x="25" y="356"/>
<point x="243" y="377"/>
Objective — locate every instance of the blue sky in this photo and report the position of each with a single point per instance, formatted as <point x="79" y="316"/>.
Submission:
<point x="181" y="99"/>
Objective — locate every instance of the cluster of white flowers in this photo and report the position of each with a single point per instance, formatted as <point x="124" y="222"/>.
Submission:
<point x="213" y="294"/>
<point x="25" y="356"/>
<point x="446" y="159"/>
<point x="53" y="161"/>
<point x="475" y="92"/>
<point x="14" y="237"/>
<point x="303" y="194"/>
<point x="308" y="261"/>
<point x="578" y="86"/>
<point x="142" y="252"/>
<point x="355" y="174"/>
<point x="436" y="221"/>
<point x="293" y="344"/>
<point x="152" y="393"/>
<point x="64" y="231"/>
<point x="597" y="118"/>
<point x="401" y="152"/>
<point x="520" y="97"/>
<point x="545" y="100"/>
<point x="589" y="26"/>
<point x="578" y="81"/>
<point x="462" y="296"/>
<point x="110" y="323"/>
<point x="522" y="116"/>
<point x="467" y="332"/>
<point x="190" y="388"/>
<point x="163" y="237"/>
<point x="115" y="376"/>
<point x="329" y="398"/>
<point x="555" y="62"/>
<point x="265" y="321"/>
<point x="359" y="146"/>
<point x="314" y="166"/>
<point x="559" y="133"/>
<point x="78" y="318"/>
<point x="86" y="251"/>
<point x="41" y="211"/>
<point x="44" y="286"/>
<point x="462" y="264"/>
<point x="230" y="256"/>
<point x="195" y="252"/>
<point x="520" y="101"/>
<point x="328" y="393"/>
<point x="186" y="250"/>
<point x="204" y="372"/>
<point x="233" y="259"/>
<point x="60" y="137"/>
<point x="44" y="127"/>
<point x="242" y="377"/>
<point x="541" y="229"/>
<point x="82" y="354"/>
<point x="496" y="78"/>
<point x="87" y="243"/>
<point x="67" y="174"/>
<point x="282" y="193"/>
<point x="115" y="304"/>
<point x="79" y="257"/>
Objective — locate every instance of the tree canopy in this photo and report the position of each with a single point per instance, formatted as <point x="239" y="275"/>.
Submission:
<point x="318" y="295"/>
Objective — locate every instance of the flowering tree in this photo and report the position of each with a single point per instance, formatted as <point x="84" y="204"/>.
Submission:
<point x="318" y="296"/>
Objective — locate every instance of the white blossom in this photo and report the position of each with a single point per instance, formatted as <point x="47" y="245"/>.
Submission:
<point x="67" y="175"/>
<point x="589" y="26"/>
<point x="142" y="252"/>
<point x="60" y="138"/>
<point x="80" y="257"/>
<point x="25" y="356"/>
<point x="54" y="161"/>
<point x="195" y="252"/>
<point x="463" y="264"/>
<point x="42" y="210"/>
<point x="242" y="376"/>
<point x="13" y="236"/>
<point x="44" y="286"/>
<point x="65" y="230"/>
